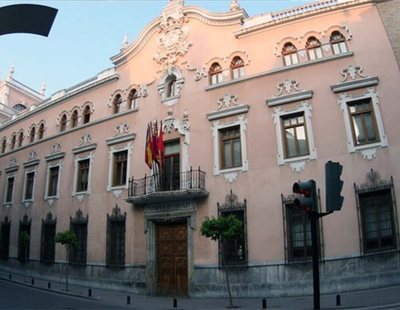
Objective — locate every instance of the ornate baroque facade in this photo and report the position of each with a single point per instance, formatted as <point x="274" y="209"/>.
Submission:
<point x="247" y="106"/>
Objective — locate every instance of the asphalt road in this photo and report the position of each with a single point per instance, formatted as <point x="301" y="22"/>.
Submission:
<point x="15" y="296"/>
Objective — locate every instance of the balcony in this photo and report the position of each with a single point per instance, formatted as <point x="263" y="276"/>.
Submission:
<point x="175" y="187"/>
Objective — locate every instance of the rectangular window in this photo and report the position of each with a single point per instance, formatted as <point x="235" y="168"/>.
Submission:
<point x="120" y="162"/>
<point x="52" y="187"/>
<point x="294" y="135"/>
<point x="315" y="53"/>
<point x="363" y="122"/>
<point x="339" y="48"/>
<point x="9" y="189"/>
<point x="47" y="250"/>
<point x="230" y="146"/>
<point x="377" y="220"/>
<point x="29" y="182"/>
<point x="299" y="234"/>
<point x="116" y="242"/>
<point x="291" y="59"/>
<point x="234" y="252"/>
<point x="79" y="252"/>
<point x="83" y="175"/>
<point x="237" y="73"/>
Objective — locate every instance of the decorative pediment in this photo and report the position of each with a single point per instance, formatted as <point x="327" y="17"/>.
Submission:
<point x="354" y="79"/>
<point x="121" y="129"/>
<point x="288" y="92"/>
<point x="121" y="134"/>
<point x="85" y="144"/>
<point x="116" y="214"/>
<point x="227" y="106"/>
<point x="79" y="218"/>
<point x="232" y="202"/>
<point x="173" y="41"/>
<point x="55" y="152"/>
<point x="32" y="155"/>
<point x="373" y="182"/>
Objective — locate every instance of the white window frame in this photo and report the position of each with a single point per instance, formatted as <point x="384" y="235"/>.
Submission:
<point x="368" y="151"/>
<point x="296" y="163"/>
<point x="230" y="174"/>
<point x="9" y="176"/>
<point x="77" y="159"/>
<point x="118" y="189"/>
<point x="24" y="201"/>
<point x="46" y="194"/>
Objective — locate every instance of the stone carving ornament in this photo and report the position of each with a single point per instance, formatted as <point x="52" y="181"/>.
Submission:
<point x="172" y="42"/>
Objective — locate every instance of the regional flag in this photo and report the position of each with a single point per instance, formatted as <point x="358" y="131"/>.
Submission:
<point x="148" y="154"/>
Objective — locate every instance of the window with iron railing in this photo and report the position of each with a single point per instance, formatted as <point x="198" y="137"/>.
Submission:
<point x="5" y="238"/>
<point x="78" y="225"/>
<point x="116" y="238"/>
<point x="48" y="246"/>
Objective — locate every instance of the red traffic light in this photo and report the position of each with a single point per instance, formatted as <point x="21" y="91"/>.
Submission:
<point x="308" y="201"/>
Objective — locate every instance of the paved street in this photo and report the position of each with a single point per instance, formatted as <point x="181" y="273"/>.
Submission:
<point x="23" y="292"/>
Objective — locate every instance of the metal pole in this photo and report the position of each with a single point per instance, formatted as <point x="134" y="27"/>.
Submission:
<point x="313" y="216"/>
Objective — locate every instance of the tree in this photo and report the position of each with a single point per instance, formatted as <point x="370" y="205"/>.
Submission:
<point x="69" y="240"/>
<point x="223" y="229"/>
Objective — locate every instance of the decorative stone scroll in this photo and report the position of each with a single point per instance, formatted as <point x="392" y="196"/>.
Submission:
<point x="173" y="40"/>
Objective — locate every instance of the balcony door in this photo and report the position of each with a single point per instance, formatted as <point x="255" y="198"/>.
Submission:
<point x="171" y="169"/>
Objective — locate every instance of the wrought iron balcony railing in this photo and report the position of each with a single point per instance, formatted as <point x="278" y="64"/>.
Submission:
<point x="167" y="187"/>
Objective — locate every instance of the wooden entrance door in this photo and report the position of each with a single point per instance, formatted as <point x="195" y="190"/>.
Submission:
<point x="172" y="260"/>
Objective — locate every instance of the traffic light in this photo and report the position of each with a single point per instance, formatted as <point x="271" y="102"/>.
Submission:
<point x="333" y="186"/>
<point x="308" y="201"/>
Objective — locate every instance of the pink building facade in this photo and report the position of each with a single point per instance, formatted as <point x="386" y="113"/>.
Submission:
<point x="247" y="106"/>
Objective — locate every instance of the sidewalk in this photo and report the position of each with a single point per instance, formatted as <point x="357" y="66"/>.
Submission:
<point x="384" y="298"/>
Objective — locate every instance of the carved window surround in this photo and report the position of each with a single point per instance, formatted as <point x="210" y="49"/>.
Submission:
<point x="231" y="174"/>
<point x="11" y="172"/>
<point x="178" y="85"/>
<point x="297" y="163"/>
<point x="81" y="194"/>
<point x="368" y="151"/>
<point x="30" y="166"/>
<point x="54" y="159"/>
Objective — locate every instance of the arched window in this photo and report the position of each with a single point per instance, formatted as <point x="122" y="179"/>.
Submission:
<point x="237" y="68"/>
<point x="86" y="114"/>
<point x="338" y="43"/>
<point x="132" y="99"/>
<point x="74" y="119"/>
<point x="117" y="104"/>
<point x="63" y="123"/>
<point x="215" y="73"/>
<point x="314" y="49"/>
<point x="170" y="84"/>
<point x="289" y="53"/>
<point x="32" y="134"/>
<point x="41" y="131"/>
<point x="20" y="138"/>
<point x="3" y="145"/>
<point x="13" y="141"/>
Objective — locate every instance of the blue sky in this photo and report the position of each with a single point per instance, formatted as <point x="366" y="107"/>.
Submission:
<point x="86" y="34"/>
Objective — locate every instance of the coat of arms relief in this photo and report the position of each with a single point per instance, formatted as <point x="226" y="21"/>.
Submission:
<point x="173" y="41"/>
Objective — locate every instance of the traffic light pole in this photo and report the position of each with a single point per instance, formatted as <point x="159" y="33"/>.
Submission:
<point x="314" y="216"/>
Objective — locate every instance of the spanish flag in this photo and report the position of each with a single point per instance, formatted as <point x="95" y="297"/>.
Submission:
<point x="148" y="154"/>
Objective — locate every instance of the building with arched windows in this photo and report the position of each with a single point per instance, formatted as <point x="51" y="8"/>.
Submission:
<point x="134" y="159"/>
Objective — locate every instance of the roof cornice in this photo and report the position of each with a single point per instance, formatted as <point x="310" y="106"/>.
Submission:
<point x="267" y="20"/>
<point x="215" y="19"/>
